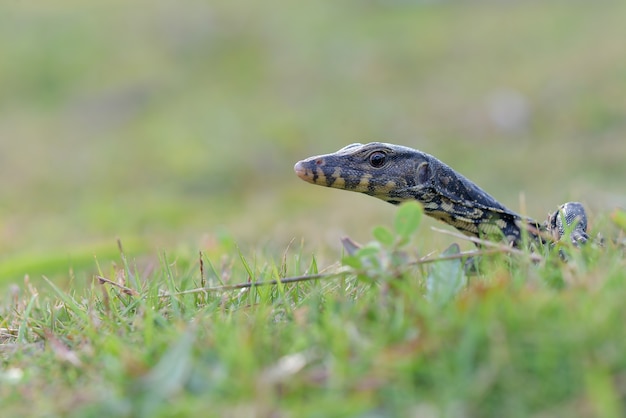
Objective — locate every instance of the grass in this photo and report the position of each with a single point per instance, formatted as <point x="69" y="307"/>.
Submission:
<point x="174" y="128"/>
<point x="384" y="336"/>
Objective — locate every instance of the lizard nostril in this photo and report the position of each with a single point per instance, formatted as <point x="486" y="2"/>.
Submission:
<point x="319" y="161"/>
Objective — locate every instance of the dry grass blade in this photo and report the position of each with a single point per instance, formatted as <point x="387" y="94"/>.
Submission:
<point x="247" y="285"/>
<point x="500" y="246"/>
<point x="124" y="289"/>
<point x="465" y="254"/>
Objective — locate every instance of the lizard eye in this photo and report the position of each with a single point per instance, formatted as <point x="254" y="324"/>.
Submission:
<point x="377" y="159"/>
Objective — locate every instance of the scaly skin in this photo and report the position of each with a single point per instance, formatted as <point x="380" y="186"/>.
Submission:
<point x="396" y="174"/>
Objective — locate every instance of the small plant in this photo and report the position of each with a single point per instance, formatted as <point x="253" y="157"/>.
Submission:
<point x="385" y="259"/>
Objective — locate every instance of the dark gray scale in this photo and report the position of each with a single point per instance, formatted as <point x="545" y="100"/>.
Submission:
<point x="575" y="217"/>
<point x="442" y="188"/>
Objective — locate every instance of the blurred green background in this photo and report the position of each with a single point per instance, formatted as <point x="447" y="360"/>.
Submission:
<point x="175" y="126"/>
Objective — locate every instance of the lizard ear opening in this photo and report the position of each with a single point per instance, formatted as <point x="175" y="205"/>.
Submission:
<point x="423" y="173"/>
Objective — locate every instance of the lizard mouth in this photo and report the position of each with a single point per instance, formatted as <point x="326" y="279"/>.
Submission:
<point x="307" y="173"/>
<point x="311" y="170"/>
<point x="301" y="171"/>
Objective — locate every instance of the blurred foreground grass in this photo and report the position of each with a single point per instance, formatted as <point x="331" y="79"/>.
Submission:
<point x="388" y="336"/>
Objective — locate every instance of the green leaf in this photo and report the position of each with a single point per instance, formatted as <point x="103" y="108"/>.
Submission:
<point x="408" y="220"/>
<point x="363" y="257"/>
<point x="371" y="250"/>
<point x="446" y="278"/>
<point x="352" y="261"/>
<point x="383" y="235"/>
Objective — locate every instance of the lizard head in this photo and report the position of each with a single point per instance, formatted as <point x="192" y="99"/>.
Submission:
<point x="388" y="172"/>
